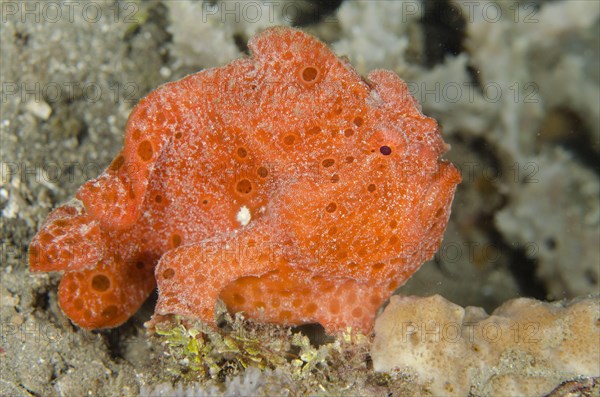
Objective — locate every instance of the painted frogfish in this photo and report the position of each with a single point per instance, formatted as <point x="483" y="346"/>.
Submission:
<point x="283" y="183"/>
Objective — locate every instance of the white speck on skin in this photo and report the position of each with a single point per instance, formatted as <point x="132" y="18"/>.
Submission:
<point x="243" y="216"/>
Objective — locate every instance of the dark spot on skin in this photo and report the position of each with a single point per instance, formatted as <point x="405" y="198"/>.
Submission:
<point x="263" y="172"/>
<point x="309" y="74"/>
<point x="100" y="283"/>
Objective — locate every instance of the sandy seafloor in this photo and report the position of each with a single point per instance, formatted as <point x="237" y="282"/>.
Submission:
<point x="514" y="85"/>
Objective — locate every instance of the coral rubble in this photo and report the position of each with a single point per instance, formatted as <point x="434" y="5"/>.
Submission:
<point x="525" y="347"/>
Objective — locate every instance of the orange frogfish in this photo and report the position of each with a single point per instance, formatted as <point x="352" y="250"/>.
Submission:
<point x="284" y="184"/>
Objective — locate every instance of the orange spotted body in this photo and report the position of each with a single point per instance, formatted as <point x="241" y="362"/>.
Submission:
<point x="284" y="184"/>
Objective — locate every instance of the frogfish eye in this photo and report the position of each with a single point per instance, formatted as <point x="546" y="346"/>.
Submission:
<point x="385" y="150"/>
